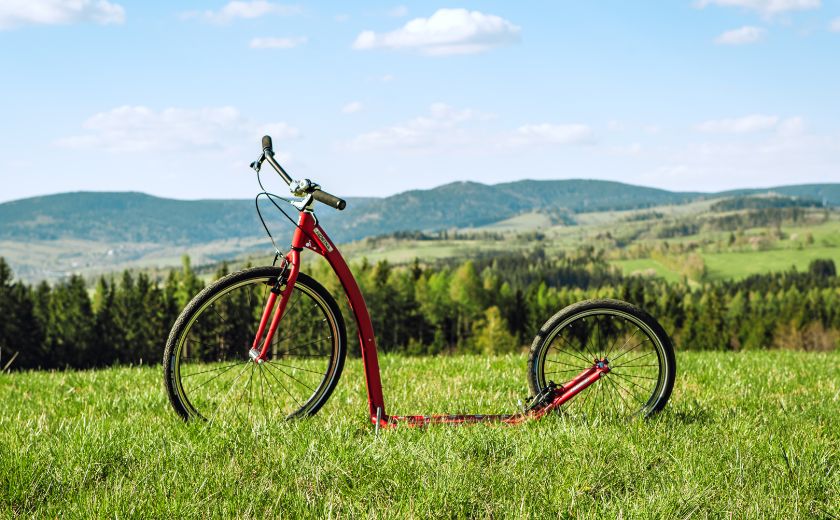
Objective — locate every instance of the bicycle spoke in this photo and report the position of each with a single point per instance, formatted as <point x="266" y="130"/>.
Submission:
<point x="290" y="376"/>
<point x="617" y="339"/>
<point x="213" y="306"/>
<point x="635" y="396"/>
<point x="610" y="382"/>
<point x="210" y="370"/>
<point x="635" y="375"/>
<point x="262" y="393"/>
<point x="633" y="366"/>
<point x="269" y="372"/>
<point x="271" y="387"/>
<point x="563" y="371"/>
<point x="611" y="392"/>
<point x="217" y="375"/>
<point x="570" y="346"/>
<point x="589" y="337"/>
<point x="626" y="341"/>
<point x="241" y="395"/>
<point x="566" y="364"/>
<point x="600" y="335"/>
<point x="632" y="349"/>
<point x="305" y="345"/>
<point x="633" y="360"/>
<point x="227" y="395"/>
<point x="296" y="368"/>
<point x="251" y="389"/>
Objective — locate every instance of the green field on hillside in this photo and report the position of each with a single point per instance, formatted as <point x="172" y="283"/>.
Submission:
<point x="741" y="264"/>
<point x="749" y="435"/>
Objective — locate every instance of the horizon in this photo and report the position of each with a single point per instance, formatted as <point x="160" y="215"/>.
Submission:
<point x="171" y="99"/>
<point x="722" y="192"/>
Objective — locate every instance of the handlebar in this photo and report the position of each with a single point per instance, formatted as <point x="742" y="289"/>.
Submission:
<point x="328" y="199"/>
<point x="313" y="189"/>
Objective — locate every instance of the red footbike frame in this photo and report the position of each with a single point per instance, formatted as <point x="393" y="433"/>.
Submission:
<point x="310" y="235"/>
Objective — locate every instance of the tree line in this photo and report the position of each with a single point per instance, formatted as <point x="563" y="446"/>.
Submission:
<point x="489" y="304"/>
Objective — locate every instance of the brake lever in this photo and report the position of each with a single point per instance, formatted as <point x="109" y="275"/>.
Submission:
<point x="256" y="165"/>
<point x="303" y="187"/>
<point x="303" y="204"/>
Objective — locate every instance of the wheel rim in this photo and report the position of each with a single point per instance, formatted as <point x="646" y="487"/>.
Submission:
<point x="633" y="351"/>
<point x="216" y="379"/>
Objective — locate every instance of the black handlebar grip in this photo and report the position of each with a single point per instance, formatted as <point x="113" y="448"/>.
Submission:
<point x="329" y="200"/>
<point x="266" y="143"/>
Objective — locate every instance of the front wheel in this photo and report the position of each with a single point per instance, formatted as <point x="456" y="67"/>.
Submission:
<point x="621" y="336"/>
<point x="207" y="370"/>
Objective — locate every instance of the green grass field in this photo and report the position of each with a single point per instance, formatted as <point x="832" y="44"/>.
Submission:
<point x="737" y="264"/>
<point x="750" y="435"/>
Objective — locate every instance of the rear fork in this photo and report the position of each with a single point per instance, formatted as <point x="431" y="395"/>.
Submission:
<point x="551" y="398"/>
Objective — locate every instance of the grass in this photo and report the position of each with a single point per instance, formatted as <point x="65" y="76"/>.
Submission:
<point x="736" y="265"/>
<point x="646" y="265"/>
<point x="750" y="435"/>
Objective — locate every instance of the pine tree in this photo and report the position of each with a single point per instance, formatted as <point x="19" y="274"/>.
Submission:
<point x="188" y="284"/>
<point x="70" y="327"/>
<point x="21" y="333"/>
<point x="467" y="294"/>
<point x="491" y="334"/>
<point x="107" y="334"/>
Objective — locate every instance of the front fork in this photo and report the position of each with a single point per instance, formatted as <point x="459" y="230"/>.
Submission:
<point x="282" y="291"/>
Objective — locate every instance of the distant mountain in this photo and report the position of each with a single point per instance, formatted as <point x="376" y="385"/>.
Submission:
<point x="827" y="194"/>
<point x="140" y="228"/>
<point x="471" y="204"/>
<point x="137" y="217"/>
<point x="133" y="217"/>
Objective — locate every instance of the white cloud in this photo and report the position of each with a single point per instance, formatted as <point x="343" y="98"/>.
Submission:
<point x="835" y="25"/>
<point x="546" y="133"/>
<point x="278" y="43"/>
<point x="442" y="127"/>
<point x="447" y="31"/>
<point x="791" y="126"/>
<point x="387" y="78"/>
<point x="278" y="131"/>
<point x="14" y="13"/>
<point x="351" y="108"/>
<point x="632" y="150"/>
<point x="741" y="36"/>
<point x="141" y="129"/>
<point x="239" y="9"/>
<point x="739" y="125"/>
<point x="775" y="159"/>
<point x="446" y="129"/>
<point x="399" y="11"/>
<point x="764" y="7"/>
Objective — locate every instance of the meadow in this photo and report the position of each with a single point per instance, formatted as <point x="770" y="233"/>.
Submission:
<point x="746" y="435"/>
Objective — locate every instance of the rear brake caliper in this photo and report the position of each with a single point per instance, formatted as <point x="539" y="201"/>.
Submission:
<point x="542" y="399"/>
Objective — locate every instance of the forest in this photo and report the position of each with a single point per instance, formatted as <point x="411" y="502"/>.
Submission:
<point x="490" y="304"/>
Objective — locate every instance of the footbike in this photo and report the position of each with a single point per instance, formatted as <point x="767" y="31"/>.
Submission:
<point x="269" y="343"/>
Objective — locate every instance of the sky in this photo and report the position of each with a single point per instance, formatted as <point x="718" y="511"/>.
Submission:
<point x="370" y="99"/>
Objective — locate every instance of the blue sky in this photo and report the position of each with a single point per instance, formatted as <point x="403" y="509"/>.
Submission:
<point x="170" y="98"/>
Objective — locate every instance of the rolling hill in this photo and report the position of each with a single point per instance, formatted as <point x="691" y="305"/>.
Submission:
<point x="48" y="236"/>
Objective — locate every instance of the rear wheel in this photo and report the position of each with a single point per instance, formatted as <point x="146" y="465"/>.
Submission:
<point x="207" y="369"/>
<point x="625" y="338"/>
